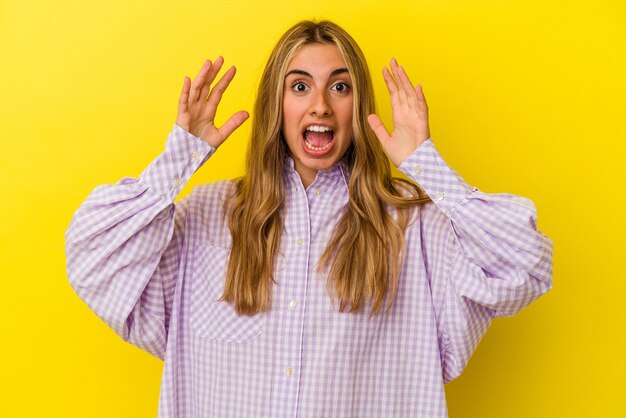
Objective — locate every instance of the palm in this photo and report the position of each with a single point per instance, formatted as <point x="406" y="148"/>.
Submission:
<point x="409" y="115"/>
<point x="198" y="104"/>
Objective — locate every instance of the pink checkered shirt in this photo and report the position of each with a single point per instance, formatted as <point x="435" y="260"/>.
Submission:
<point x="153" y="271"/>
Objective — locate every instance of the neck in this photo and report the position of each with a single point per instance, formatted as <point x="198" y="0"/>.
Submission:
<point x="307" y="176"/>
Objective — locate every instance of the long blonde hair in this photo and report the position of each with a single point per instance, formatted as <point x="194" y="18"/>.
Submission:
<point x="366" y="250"/>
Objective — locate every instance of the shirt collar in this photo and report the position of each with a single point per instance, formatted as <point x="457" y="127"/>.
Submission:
<point x="339" y="173"/>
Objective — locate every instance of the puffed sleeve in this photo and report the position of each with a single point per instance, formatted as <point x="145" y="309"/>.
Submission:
<point x="123" y="244"/>
<point x="490" y="260"/>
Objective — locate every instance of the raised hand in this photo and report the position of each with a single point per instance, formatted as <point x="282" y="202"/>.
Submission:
<point x="409" y="114"/>
<point x="198" y="104"/>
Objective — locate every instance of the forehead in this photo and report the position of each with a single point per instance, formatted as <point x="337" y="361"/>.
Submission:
<point x="317" y="58"/>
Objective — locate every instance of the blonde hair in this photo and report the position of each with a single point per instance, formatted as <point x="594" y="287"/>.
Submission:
<point x="366" y="250"/>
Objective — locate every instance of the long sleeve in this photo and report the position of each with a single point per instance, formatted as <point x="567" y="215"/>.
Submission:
<point x="494" y="260"/>
<point x="123" y="244"/>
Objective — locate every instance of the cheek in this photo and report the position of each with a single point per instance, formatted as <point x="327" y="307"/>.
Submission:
<point x="290" y="116"/>
<point x="347" y="109"/>
<point x="290" y="126"/>
<point x="347" y="116"/>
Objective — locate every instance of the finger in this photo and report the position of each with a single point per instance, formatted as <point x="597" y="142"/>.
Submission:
<point x="198" y="82"/>
<point x="215" y="68"/>
<point x="379" y="128"/>
<point x="421" y="99"/>
<point x="184" y="97"/>
<point x="408" y="88"/>
<point x="216" y="93"/>
<point x="396" y="73"/>
<point x="233" y="123"/>
<point x="422" y="110"/>
<point x="391" y="87"/>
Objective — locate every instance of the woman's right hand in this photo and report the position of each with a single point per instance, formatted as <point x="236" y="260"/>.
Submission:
<point x="198" y="104"/>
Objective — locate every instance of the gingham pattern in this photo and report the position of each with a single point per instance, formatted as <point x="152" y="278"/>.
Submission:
<point x="154" y="271"/>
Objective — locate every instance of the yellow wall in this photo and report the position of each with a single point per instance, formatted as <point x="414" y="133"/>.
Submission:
<point x="526" y="97"/>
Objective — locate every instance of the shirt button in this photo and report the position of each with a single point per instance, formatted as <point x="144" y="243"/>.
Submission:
<point x="318" y="192"/>
<point x="439" y="196"/>
<point x="299" y="242"/>
<point x="293" y="303"/>
<point x="177" y="181"/>
<point x="418" y="171"/>
<point x="195" y="155"/>
<point x="289" y="371"/>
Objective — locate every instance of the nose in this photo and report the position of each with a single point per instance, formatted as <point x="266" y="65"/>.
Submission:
<point x="320" y="105"/>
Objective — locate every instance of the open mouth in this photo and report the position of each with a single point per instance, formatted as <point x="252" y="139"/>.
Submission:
<point x="318" y="139"/>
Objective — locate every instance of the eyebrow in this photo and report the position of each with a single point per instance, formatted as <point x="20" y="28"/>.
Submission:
<point x="304" y="73"/>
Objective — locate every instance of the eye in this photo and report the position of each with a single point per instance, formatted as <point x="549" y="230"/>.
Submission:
<point x="341" y="87"/>
<point x="299" y="86"/>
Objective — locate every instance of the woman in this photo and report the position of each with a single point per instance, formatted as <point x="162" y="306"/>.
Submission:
<point x="316" y="285"/>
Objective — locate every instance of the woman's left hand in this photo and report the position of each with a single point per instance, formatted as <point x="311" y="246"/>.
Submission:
<point x="409" y="114"/>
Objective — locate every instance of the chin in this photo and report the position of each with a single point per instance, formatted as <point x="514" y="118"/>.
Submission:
<point x="319" y="163"/>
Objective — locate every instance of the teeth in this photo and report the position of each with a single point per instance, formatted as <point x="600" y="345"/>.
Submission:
<point x="317" y="128"/>
<point x="314" y="148"/>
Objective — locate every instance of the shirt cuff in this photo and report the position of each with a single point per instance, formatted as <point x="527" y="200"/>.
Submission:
<point x="426" y="167"/>
<point x="169" y="172"/>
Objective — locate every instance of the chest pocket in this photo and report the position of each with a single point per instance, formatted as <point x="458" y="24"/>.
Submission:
<point x="210" y="317"/>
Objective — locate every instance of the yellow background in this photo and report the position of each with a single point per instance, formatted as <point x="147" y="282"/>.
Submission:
<point x="526" y="97"/>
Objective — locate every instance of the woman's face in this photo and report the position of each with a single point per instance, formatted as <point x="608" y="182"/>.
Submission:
<point x="317" y="109"/>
